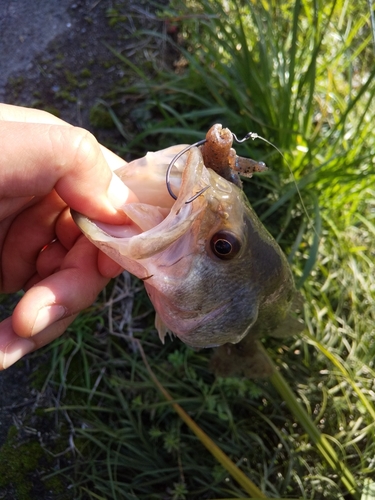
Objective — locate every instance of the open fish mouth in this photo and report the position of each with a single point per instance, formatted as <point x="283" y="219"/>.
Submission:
<point x="153" y="228"/>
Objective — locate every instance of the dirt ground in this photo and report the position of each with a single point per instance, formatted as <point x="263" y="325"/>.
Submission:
<point x="55" y="55"/>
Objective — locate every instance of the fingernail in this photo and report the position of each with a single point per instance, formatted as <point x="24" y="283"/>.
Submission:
<point x="46" y="316"/>
<point x="118" y="193"/>
<point x="16" y="350"/>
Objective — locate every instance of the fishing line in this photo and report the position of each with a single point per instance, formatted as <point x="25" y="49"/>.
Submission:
<point x="253" y="136"/>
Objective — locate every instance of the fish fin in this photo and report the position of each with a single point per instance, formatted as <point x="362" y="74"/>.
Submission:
<point x="292" y="324"/>
<point x="242" y="359"/>
<point x="289" y="327"/>
<point x="162" y="328"/>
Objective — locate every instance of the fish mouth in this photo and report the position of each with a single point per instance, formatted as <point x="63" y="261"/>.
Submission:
<point x="153" y="229"/>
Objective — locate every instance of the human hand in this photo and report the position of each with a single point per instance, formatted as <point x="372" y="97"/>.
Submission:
<point x="47" y="166"/>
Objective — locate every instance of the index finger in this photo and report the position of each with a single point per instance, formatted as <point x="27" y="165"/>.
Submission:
<point x="12" y="113"/>
<point x="39" y="157"/>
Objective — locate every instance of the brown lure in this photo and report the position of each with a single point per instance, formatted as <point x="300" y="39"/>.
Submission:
<point x="219" y="155"/>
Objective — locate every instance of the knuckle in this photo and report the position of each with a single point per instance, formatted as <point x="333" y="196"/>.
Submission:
<point x="85" y="148"/>
<point x="73" y="149"/>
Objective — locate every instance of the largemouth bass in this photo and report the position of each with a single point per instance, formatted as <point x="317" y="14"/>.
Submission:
<point x="210" y="268"/>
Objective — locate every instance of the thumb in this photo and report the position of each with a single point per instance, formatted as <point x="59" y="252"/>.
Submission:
<point x="37" y="158"/>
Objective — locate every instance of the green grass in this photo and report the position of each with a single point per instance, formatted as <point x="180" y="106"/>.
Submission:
<point x="299" y="74"/>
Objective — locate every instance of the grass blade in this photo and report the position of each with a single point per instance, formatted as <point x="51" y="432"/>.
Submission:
<point x="220" y="456"/>
<point x="321" y="442"/>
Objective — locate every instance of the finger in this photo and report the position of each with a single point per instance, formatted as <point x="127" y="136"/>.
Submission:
<point x="36" y="158"/>
<point x="28" y="234"/>
<point x="62" y="294"/>
<point x="108" y="267"/>
<point x="10" y="206"/>
<point x="67" y="232"/>
<point x="30" y="115"/>
<point x="35" y="278"/>
<point x="114" y="161"/>
<point x="50" y="259"/>
<point x="13" y="347"/>
<point x="11" y="113"/>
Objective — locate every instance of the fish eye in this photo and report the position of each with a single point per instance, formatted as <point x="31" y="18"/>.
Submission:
<point x="225" y="245"/>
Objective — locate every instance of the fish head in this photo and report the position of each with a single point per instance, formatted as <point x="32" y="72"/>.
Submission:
<point x="209" y="266"/>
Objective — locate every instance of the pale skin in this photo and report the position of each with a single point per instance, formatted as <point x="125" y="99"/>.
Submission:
<point x="46" y="167"/>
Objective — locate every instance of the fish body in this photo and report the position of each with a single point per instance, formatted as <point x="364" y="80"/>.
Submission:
<point x="210" y="268"/>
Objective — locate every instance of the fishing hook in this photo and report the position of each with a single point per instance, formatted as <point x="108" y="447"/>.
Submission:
<point x="250" y="135"/>
<point x="170" y="166"/>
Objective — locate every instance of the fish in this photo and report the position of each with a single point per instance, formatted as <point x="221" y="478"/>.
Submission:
<point x="211" y="269"/>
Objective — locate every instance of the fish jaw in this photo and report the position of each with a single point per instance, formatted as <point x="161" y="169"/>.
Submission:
<point x="140" y="249"/>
